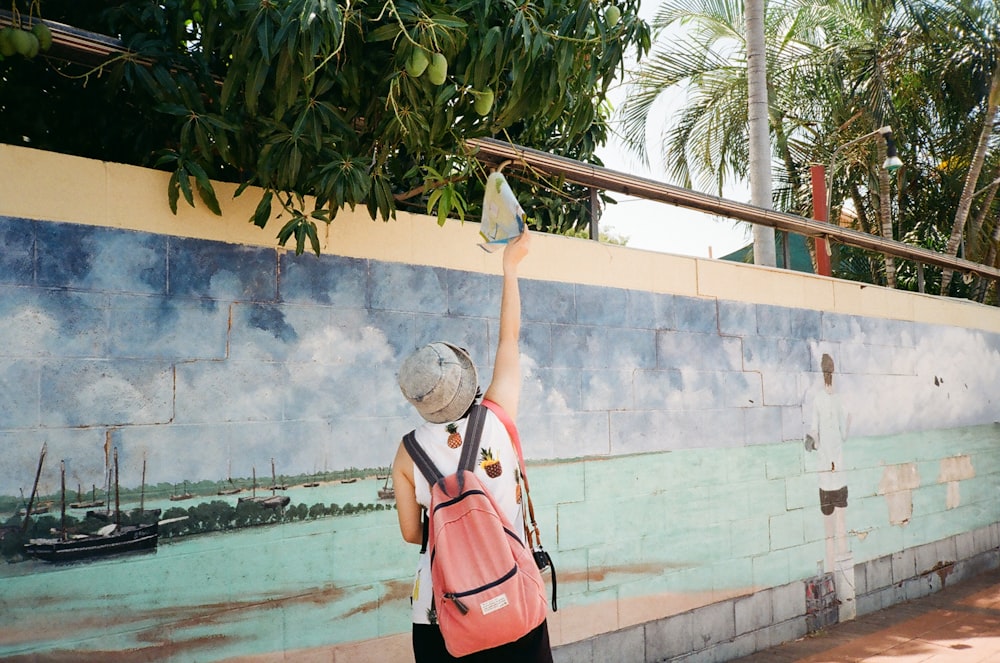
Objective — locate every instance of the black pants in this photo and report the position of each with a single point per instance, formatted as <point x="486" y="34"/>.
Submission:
<point x="428" y="647"/>
<point x="831" y="499"/>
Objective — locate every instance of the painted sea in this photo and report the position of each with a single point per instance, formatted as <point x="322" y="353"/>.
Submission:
<point x="220" y="595"/>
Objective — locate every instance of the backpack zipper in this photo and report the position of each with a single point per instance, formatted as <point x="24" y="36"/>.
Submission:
<point x="462" y="608"/>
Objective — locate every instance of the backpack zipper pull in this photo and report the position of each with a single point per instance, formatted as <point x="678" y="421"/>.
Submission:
<point x="462" y="608"/>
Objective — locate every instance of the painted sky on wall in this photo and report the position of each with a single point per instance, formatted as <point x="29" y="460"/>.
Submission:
<point x="200" y="357"/>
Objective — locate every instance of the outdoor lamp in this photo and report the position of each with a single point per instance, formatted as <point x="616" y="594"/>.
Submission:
<point x="892" y="161"/>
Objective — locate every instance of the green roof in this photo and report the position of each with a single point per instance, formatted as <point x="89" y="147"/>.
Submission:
<point x="798" y="252"/>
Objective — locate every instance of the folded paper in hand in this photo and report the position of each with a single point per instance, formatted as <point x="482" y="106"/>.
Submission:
<point x="503" y="218"/>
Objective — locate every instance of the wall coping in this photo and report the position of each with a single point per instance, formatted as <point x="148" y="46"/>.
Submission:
<point x="48" y="186"/>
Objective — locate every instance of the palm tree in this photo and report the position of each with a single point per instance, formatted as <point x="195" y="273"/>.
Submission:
<point x="885" y="209"/>
<point x="707" y="144"/>
<point x="835" y="72"/>
<point x="975" y="27"/>
<point x="809" y="107"/>
<point x="760" y="148"/>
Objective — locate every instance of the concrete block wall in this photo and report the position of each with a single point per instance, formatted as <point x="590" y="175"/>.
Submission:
<point x="739" y="627"/>
<point x="666" y="400"/>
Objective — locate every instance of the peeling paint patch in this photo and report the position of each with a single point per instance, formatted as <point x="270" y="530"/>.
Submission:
<point x="897" y="484"/>
<point x="956" y="468"/>
<point x="953" y="470"/>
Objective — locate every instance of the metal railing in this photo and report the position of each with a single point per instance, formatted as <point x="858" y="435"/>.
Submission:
<point x="495" y="151"/>
<point x="94" y="49"/>
<point x="73" y="44"/>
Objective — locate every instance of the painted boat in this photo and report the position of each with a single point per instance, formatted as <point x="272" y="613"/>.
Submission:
<point x="80" y="503"/>
<point x="179" y="497"/>
<point x="387" y="492"/>
<point x="111" y="539"/>
<point x="268" y="502"/>
<point x="274" y="481"/>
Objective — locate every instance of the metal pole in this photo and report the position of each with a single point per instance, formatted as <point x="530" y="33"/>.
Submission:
<point x="595" y="215"/>
<point x="817" y="176"/>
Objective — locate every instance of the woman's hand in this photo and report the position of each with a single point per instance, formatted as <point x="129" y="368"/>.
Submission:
<point x="515" y="250"/>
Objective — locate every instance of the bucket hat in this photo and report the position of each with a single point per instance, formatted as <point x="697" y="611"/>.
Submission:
<point x="439" y="380"/>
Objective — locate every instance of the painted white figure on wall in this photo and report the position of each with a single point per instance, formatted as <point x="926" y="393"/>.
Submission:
<point x="828" y="430"/>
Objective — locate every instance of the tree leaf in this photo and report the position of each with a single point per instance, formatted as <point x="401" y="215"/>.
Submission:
<point x="184" y="182"/>
<point x="313" y="236"/>
<point x="264" y="36"/>
<point x="383" y="33"/>
<point x="257" y="79"/>
<point x="287" y="230"/>
<point x="173" y="191"/>
<point x="205" y="190"/>
<point x="262" y="214"/>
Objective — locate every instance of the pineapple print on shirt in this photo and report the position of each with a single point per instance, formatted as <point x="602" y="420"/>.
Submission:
<point x="490" y="464"/>
<point x="454" y="439"/>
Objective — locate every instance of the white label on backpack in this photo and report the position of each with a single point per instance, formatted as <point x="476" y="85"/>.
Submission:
<point x="494" y="604"/>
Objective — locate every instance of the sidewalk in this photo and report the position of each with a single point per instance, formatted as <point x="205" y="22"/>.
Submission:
<point x="959" y="624"/>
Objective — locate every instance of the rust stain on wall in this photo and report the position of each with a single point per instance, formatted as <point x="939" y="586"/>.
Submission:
<point x="168" y="620"/>
<point x="395" y="590"/>
<point x="159" y="652"/>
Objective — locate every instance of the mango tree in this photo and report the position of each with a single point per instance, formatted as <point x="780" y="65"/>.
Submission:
<point x="327" y="104"/>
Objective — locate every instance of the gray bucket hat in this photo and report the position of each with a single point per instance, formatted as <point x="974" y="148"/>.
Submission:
<point x="440" y="380"/>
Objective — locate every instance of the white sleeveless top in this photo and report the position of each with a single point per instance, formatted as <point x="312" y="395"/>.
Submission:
<point x="504" y="488"/>
<point x="829" y="429"/>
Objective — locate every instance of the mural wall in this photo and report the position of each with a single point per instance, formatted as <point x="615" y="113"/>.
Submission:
<point x="682" y="450"/>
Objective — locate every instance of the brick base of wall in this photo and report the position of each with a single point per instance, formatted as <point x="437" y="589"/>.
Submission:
<point x="739" y="627"/>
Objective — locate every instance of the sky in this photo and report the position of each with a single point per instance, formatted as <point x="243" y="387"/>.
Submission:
<point x="666" y="228"/>
<point x="659" y="226"/>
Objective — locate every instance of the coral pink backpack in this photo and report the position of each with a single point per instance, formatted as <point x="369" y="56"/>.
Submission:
<point x="488" y="590"/>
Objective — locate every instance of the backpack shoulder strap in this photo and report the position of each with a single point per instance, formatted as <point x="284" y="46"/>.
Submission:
<point x="542" y="558"/>
<point x="508" y="423"/>
<point x="473" y="437"/>
<point x="470" y="447"/>
<point x="421" y="459"/>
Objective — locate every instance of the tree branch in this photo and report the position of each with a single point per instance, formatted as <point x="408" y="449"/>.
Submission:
<point x="425" y="187"/>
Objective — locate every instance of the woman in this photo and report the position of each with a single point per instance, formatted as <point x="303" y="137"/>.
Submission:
<point x="440" y="380"/>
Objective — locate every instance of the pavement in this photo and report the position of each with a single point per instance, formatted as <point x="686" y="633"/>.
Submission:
<point x="959" y="624"/>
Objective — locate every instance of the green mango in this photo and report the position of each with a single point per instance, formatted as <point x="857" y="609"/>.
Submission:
<point x="484" y="101"/>
<point x="612" y="14"/>
<point x="43" y="34"/>
<point x="417" y="63"/>
<point x="25" y="43"/>
<point x="7" y="47"/>
<point x="437" y="70"/>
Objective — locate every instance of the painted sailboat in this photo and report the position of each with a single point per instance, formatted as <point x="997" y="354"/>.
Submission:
<point x="92" y="503"/>
<point x="186" y="495"/>
<point x="274" y="481"/>
<point x="387" y="492"/>
<point x="29" y="508"/>
<point x="36" y="509"/>
<point x="268" y="502"/>
<point x="111" y="539"/>
<point x="233" y="488"/>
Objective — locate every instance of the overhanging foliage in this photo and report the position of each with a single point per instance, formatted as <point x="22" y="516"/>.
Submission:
<point x="314" y="101"/>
